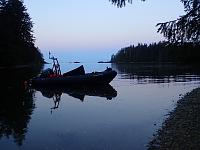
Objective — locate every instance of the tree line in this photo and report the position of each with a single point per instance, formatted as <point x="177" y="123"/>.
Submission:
<point x="16" y="39"/>
<point x="159" y="52"/>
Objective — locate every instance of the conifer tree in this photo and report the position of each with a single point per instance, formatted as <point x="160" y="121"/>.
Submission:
<point x="186" y="28"/>
<point x="18" y="22"/>
<point x="2" y="20"/>
<point x="16" y="38"/>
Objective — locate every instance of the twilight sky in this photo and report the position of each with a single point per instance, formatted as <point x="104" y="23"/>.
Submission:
<point x="92" y="30"/>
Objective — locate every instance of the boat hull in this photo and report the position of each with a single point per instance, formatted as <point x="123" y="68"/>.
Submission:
<point x="104" y="77"/>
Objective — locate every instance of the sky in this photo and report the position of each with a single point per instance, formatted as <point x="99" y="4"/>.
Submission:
<point x="92" y="30"/>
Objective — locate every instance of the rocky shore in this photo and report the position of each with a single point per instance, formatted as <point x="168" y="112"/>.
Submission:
<point x="181" y="130"/>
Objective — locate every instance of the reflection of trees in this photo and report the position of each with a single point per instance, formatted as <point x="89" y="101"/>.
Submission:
<point x="16" y="104"/>
<point x="154" y="73"/>
<point x="15" y="110"/>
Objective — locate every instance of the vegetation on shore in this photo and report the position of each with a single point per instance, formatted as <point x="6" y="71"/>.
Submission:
<point x="183" y="35"/>
<point x="159" y="52"/>
<point x="181" y="130"/>
<point x="16" y="39"/>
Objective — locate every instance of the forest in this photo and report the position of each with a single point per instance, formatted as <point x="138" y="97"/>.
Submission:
<point x="16" y="39"/>
<point x="182" y="34"/>
<point x="162" y="52"/>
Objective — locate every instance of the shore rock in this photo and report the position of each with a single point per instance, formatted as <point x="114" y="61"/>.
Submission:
<point x="181" y="130"/>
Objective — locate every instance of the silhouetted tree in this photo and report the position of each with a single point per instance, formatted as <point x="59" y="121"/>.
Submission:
<point x="121" y="3"/>
<point x="187" y="27"/>
<point x="17" y="21"/>
<point x="16" y="38"/>
<point x="2" y="3"/>
<point x="183" y="29"/>
<point x="2" y="18"/>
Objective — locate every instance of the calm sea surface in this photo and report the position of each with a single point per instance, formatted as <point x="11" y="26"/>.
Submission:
<point x="122" y="116"/>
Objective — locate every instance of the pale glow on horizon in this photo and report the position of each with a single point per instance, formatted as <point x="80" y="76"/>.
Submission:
<point x="67" y="25"/>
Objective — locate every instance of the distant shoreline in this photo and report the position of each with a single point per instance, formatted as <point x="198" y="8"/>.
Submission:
<point x="104" y="62"/>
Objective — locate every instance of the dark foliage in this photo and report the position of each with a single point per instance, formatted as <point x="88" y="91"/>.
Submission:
<point x="186" y="28"/>
<point x="121" y="3"/>
<point x="161" y="52"/>
<point x="16" y="38"/>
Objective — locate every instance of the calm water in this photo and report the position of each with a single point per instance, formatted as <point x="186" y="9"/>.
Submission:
<point x="122" y="116"/>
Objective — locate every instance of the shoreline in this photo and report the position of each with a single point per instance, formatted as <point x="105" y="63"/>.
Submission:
<point x="22" y="66"/>
<point x="181" y="130"/>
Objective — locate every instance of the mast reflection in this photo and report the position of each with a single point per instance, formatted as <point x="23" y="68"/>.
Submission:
<point x="78" y="92"/>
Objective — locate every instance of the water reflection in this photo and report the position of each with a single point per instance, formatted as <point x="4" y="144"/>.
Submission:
<point x="96" y="123"/>
<point x="154" y="73"/>
<point x="78" y="92"/>
<point x="16" y="107"/>
<point x="16" y="103"/>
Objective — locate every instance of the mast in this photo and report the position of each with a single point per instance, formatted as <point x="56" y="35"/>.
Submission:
<point x="56" y="66"/>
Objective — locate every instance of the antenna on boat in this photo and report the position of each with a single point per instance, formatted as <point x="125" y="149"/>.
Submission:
<point x="56" y="65"/>
<point x="49" y="55"/>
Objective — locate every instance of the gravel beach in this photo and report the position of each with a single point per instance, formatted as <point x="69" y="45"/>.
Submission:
<point x="181" y="130"/>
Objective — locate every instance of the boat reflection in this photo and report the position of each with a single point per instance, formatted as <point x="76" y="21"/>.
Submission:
<point x="78" y="92"/>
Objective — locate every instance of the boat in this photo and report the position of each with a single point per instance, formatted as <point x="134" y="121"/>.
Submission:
<point x="104" y="77"/>
<point x="74" y="77"/>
